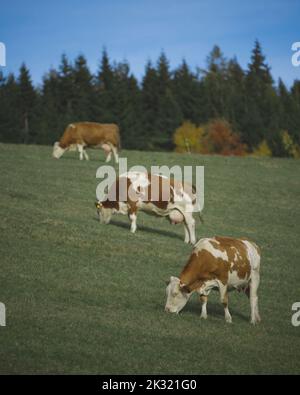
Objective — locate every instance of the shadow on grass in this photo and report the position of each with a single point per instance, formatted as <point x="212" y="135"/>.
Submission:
<point x="143" y="228"/>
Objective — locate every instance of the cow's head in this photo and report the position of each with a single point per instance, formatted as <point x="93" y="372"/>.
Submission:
<point x="177" y="295"/>
<point x="104" y="213"/>
<point x="57" y="150"/>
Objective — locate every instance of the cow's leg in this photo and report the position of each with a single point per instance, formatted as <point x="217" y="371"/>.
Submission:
<point x="80" y="150"/>
<point x="190" y="223"/>
<point x="108" y="157"/>
<point x="224" y="301"/>
<point x="186" y="234"/>
<point x="115" y="152"/>
<point x="85" y="155"/>
<point x="203" y="299"/>
<point x="255" y="278"/>
<point x="133" y="217"/>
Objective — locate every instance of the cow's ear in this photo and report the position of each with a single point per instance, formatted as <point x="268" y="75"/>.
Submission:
<point x="184" y="288"/>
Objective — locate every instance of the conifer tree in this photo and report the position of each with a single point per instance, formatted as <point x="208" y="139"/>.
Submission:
<point x="27" y="101"/>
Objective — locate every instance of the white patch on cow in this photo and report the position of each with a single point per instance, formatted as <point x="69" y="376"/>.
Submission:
<point x="72" y="126"/>
<point x="204" y="244"/>
<point x="123" y="208"/>
<point x="206" y="288"/>
<point x="57" y="150"/>
<point x="252" y="254"/>
<point x="234" y="281"/>
<point x="176" y="298"/>
<point x="133" y="223"/>
<point x="149" y="207"/>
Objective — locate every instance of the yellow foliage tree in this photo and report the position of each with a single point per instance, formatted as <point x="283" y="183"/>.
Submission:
<point x="263" y="149"/>
<point x="292" y="149"/>
<point x="188" y="137"/>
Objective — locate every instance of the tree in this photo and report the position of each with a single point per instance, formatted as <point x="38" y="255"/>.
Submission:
<point x="150" y="105"/>
<point x="83" y="90"/>
<point x="168" y="115"/>
<point x="10" y="116"/>
<point x="51" y="119"/>
<point x="127" y="105"/>
<point x="219" y="138"/>
<point x="66" y="90"/>
<point x="105" y="91"/>
<point x="27" y="101"/>
<point x="188" y="138"/>
<point x="185" y="88"/>
<point x="236" y="95"/>
<point x="262" y="106"/>
<point x="214" y="83"/>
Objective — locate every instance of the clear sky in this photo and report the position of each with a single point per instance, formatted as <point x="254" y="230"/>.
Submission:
<point x="38" y="32"/>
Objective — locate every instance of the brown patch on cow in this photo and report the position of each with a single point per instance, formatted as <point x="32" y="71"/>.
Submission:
<point x="159" y="192"/>
<point x="237" y="254"/>
<point x="90" y="134"/>
<point x="202" y="266"/>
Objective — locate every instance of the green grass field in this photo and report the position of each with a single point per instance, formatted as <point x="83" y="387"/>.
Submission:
<point x="82" y="297"/>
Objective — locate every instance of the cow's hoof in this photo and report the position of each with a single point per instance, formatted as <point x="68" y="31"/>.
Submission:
<point x="203" y="316"/>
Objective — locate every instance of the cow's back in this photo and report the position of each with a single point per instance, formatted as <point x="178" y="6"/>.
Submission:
<point x="220" y="257"/>
<point x="94" y="134"/>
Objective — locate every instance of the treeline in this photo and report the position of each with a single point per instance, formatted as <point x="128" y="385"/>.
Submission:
<point x="148" y="113"/>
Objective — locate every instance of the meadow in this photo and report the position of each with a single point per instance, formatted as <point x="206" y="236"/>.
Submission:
<point x="82" y="297"/>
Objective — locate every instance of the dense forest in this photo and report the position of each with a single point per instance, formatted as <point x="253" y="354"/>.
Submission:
<point x="248" y="102"/>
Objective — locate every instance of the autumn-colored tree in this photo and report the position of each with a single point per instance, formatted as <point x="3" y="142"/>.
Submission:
<point x="263" y="149"/>
<point x="188" y="138"/>
<point x="290" y="147"/>
<point x="220" y="139"/>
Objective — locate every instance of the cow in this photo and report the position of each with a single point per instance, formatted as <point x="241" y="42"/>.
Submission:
<point x="154" y="194"/>
<point x="221" y="263"/>
<point x="89" y="134"/>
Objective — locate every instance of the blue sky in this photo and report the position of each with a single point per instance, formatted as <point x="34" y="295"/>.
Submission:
<point x="38" y="32"/>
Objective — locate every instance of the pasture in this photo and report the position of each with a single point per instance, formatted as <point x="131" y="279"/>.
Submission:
<point x="82" y="297"/>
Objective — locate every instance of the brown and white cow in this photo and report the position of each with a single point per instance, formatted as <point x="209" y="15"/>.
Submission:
<point x="221" y="263"/>
<point x="154" y="194"/>
<point x="89" y="134"/>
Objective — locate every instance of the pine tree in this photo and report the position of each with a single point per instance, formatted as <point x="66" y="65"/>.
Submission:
<point x="66" y="90"/>
<point x="127" y="106"/>
<point x="105" y="92"/>
<point x="185" y="87"/>
<point x="262" y="107"/>
<point x="27" y="102"/>
<point x="150" y="105"/>
<point x="214" y="84"/>
<point x="51" y="121"/>
<point x="294" y="111"/>
<point x="236" y="95"/>
<point x="83" y="90"/>
<point x="169" y="113"/>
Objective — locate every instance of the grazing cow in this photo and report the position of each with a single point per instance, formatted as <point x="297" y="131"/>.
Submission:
<point x="221" y="263"/>
<point x="154" y="194"/>
<point x="89" y="134"/>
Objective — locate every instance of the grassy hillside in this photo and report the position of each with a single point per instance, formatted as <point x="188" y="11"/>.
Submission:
<point x="88" y="298"/>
